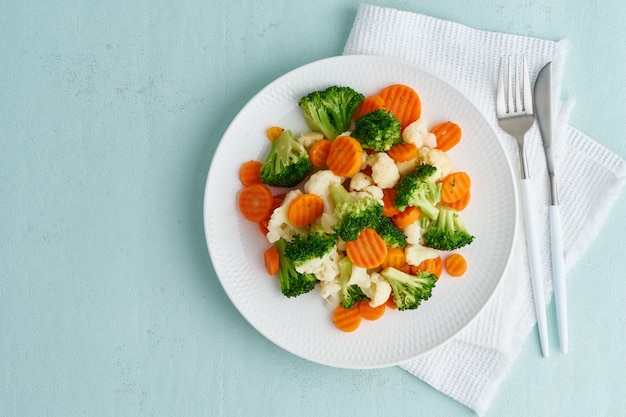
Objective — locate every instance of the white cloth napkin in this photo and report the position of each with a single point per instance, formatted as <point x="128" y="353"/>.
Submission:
<point x="471" y="367"/>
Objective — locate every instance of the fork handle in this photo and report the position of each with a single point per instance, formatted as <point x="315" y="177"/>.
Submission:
<point x="535" y="271"/>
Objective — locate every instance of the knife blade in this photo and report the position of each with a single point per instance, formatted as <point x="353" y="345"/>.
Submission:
<point x="543" y="94"/>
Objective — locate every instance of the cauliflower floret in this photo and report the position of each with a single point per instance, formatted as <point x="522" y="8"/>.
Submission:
<point x="372" y="191"/>
<point x="279" y="225"/>
<point x="308" y="139"/>
<point x="329" y="290"/>
<point x="325" y="268"/>
<point x="413" y="233"/>
<point x="417" y="134"/>
<point x="378" y="291"/>
<point x="415" y="254"/>
<point x="437" y="158"/>
<point x="407" y="166"/>
<point x="384" y="170"/>
<point x="360" y="181"/>
<point x="359" y="277"/>
<point x="320" y="183"/>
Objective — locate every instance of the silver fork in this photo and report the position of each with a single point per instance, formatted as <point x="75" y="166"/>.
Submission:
<point x="516" y="116"/>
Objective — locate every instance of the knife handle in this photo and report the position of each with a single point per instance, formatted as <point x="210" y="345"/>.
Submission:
<point x="558" y="275"/>
<point x="535" y="271"/>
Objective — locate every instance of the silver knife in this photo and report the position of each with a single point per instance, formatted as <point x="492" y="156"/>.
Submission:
<point x="543" y="110"/>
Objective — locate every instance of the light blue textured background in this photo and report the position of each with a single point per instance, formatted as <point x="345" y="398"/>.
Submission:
<point x="109" y="115"/>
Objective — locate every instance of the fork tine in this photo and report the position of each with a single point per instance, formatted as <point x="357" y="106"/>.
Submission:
<point x="500" y="103"/>
<point x="528" y="96"/>
<point x="518" y="97"/>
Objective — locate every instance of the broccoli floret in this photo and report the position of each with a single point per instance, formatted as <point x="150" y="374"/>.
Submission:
<point x="330" y="111"/>
<point x="312" y="245"/>
<point x="350" y="294"/>
<point x="287" y="162"/>
<point x="448" y="232"/>
<point x="378" y="130"/>
<point x="354" y="213"/>
<point x="391" y="234"/>
<point x="292" y="283"/>
<point x="409" y="290"/>
<point x="417" y="188"/>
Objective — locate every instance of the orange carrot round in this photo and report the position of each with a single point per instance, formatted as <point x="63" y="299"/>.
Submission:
<point x="402" y="152"/>
<point x="448" y="135"/>
<point x="370" y="313"/>
<point x="345" y="156"/>
<point x="432" y="265"/>
<point x="454" y="186"/>
<point x="368" y="250"/>
<point x="461" y="203"/>
<point x="255" y="202"/>
<point x="304" y="209"/>
<point x="456" y="265"/>
<point x="347" y="319"/>
<point x="389" y="210"/>
<point x="273" y="132"/>
<point x="250" y="173"/>
<point x="390" y="303"/>
<point x="369" y="104"/>
<point x="319" y="153"/>
<point x="407" y="217"/>
<point x="272" y="260"/>
<point x="395" y="258"/>
<point x="403" y="102"/>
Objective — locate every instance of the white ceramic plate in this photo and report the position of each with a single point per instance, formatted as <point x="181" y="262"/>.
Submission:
<point x="303" y="325"/>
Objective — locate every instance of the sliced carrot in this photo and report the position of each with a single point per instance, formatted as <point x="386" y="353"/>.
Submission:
<point x="249" y="173"/>
<point x="403" y="102"/>
<point x="304" y="209"/>
<point x="272" y="260"/>
<point x="456" y="265"/>
<point x="368" y="250"/>
<point x="319" y="152"/>
<point x="273" y="132"/>
<point x="345" y="156"/>
<point x="407" y="217"/>
<point x="454" y="186"/>
<point x="370" y="313"/>
<point x="390" y="303"/>
<point x="277" y="201"/>
<point x="403" y="152"/>
<point x="448" y="135"/>
<point x="347" y="319"/>
<point x="255" y="202"/>
<point x="432" y="265"/>
<point x="389" y="210"/>
<point x="395" y="258"/>
<point x="461" y="203"/>
<point x="369" y="104"/>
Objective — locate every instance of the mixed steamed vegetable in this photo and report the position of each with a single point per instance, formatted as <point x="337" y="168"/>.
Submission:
<point x="365" y="207"/>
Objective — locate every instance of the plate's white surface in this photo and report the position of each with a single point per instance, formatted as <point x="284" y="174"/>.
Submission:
<point x="303" y="325"/>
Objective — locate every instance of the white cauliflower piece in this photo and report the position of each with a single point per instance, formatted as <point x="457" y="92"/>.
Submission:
<point x="384" y="170"/>
<point x="372" y="191"/>
<point x="413" y="233"/>
<point x="360" y="181"/>
<point x="279" y="225"/>
<point x="325" y="268"/>
<point x="320" y="183"/>
<point x="308" y="139"/>
<point x="359" y="277"/>
<point x="407" y="166"/>
<point x="330" y="291"/>
<point x="437" y="158"/>
<point x="417" y="134"/>
<point x="415" y="254"/>
<point x="378" y="291"/>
